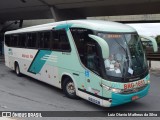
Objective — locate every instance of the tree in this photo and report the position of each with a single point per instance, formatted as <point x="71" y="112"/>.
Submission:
<point x="158" y="40"/>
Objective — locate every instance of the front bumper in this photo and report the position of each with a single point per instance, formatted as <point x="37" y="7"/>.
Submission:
<point x="118" y="99"/>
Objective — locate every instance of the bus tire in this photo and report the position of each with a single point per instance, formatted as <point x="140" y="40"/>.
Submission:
<point x="69" y="88"/>
<point x="17" y="69"/>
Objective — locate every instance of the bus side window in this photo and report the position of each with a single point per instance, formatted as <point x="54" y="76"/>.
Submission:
<point x="64" y="41"/>
<point x="92" y="59"/>
<point x="87" y="48"/>
<point x="14" y="40"/>
<point x="79" y="41"/>
<point x="7" y="40"/>
<point x="40" y="40"/>
<point x="80" y="37"/>
<point x="55" y="40"/>
<point x="44" y="40"/>
<point x="22" y="40"/>
<point x="31" y="40"/>
<point x="60" y="41"/>
<point x="11" y="41"/>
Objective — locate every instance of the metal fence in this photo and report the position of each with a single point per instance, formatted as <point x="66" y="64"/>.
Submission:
<point x="152" y="56"/>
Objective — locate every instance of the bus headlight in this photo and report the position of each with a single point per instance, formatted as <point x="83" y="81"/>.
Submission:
<point x="115" y="90"/>
<point x="148" y="82"/>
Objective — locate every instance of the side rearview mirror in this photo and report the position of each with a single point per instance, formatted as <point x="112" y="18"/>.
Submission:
<point x="154" y="43"/>
<point x="103" y="44"/>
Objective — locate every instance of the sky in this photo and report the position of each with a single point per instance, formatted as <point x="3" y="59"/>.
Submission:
<point x="148" y="29"/>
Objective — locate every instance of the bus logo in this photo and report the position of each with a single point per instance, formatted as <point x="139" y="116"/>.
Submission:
<point x="10" y="51"/>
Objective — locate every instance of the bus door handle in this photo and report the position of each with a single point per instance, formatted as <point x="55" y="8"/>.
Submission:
<point x="88" y="80"/>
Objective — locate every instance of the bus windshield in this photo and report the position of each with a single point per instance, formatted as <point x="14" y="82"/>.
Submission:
<point x="126" y="55"/>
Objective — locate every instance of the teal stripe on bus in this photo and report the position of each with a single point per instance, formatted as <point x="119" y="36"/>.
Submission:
<point x="38" y="62"/>
<point x="65" y="26"/>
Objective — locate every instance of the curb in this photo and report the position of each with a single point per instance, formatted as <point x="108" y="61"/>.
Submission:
<point x="1" y="58"/>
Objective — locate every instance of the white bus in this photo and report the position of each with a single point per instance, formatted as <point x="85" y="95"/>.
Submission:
<point x="102" y="62"/>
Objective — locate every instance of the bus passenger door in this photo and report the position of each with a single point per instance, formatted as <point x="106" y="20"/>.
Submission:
<point x="92" y="77"/>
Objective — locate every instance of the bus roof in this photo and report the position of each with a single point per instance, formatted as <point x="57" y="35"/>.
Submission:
<point x="98" y="25"/>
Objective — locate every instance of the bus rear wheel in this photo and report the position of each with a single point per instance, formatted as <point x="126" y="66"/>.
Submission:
<point x="17" y="69"/>
<point x="69" y="88"/>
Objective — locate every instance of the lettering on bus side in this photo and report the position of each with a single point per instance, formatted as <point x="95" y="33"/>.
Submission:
<point x="27" y="56"/>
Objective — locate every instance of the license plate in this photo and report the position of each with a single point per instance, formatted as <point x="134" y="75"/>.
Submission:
<point x="136" y="84"/>
<point x="134" y="98"/>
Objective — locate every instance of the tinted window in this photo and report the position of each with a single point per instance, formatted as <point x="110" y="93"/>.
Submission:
<point x="22" y="40"/>
<point x="7" y="40"/>
<point x="44" y="40"/>
<point x="13" y="40"/>
<point x="87" y="48"/>
<point x="31" y="40"/>
<point x="65" y="46"/>
<point x="80" y="37"/>
<point x="60" y="40"/>
<point x="92" y="59"/>
<point x="55" y="40"/>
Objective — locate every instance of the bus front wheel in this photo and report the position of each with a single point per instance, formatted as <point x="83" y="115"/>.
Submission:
<point x="69" y="88"/>
<point x="17" y="69"/>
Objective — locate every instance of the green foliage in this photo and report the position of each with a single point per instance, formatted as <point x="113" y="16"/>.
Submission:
<point x="158" y="40"/>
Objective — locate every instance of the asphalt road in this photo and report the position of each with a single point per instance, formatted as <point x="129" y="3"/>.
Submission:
<point x="27" y="94"/>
